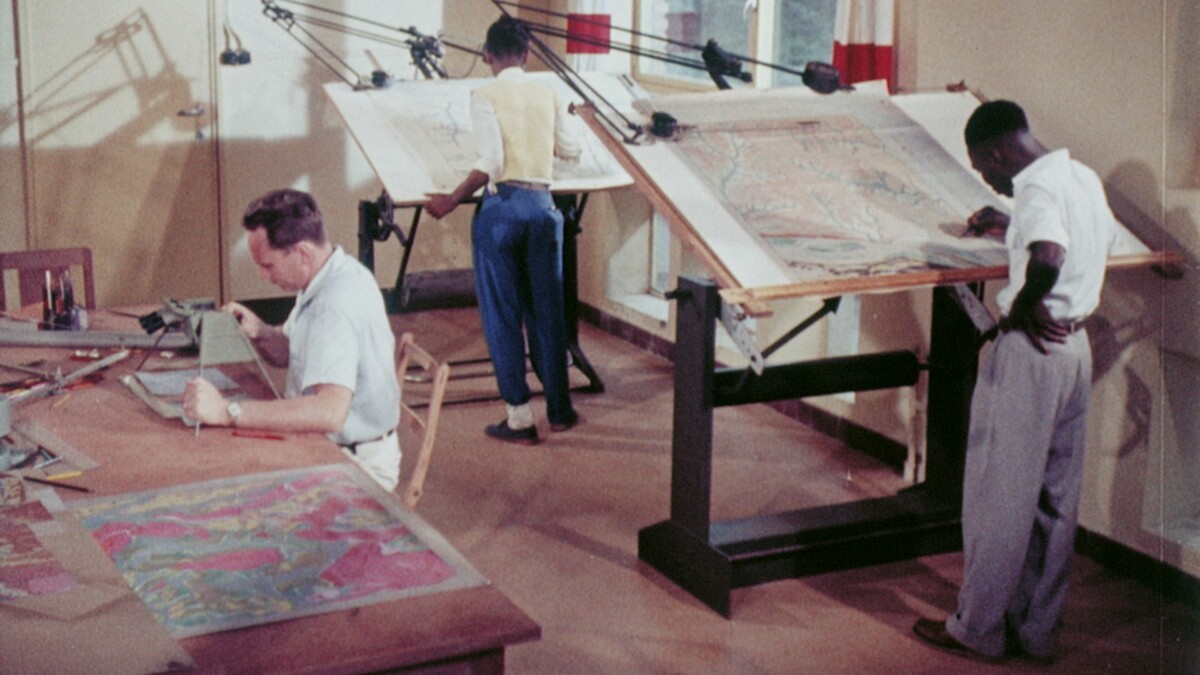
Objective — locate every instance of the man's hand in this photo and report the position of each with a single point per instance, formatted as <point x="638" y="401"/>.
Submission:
<point x="254" y="327"/>
<point x="439" y="206"/>
<point x="1037" y="324"/>
<point x="987" y="222"/>
<point x="202" y="402"/>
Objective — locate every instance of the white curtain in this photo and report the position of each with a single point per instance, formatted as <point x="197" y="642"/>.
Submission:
<point x="863" y="41"/>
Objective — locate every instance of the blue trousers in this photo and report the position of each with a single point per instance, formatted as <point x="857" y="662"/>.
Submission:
<point x="516" y="239"/>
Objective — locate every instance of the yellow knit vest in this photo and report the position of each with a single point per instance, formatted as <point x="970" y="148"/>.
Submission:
<point x="525" y="113"/>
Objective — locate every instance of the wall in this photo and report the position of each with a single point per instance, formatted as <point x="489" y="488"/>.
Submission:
<point x="12" y="182"/>
<point x="279" y="129"/>
<point x="1114" y="81"/>
<point x="115" y="147"/>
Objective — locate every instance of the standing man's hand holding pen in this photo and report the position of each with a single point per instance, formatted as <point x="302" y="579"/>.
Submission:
<point x="987" y="222"/>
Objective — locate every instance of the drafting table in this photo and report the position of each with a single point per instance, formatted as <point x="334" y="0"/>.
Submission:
<point x="417" y="137"/>
<point x="138" y="451"/>
<point x="787" y="194"/>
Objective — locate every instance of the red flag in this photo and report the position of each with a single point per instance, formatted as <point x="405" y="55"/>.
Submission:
<point x="588" y="33"/>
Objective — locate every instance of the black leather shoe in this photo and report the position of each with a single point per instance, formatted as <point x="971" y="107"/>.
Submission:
<point x="503" y="432"/>
<point x="565" y="426"/>
<point x="934" y="633"/>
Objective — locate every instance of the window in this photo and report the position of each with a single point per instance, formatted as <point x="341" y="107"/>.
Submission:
<point x="794" y="31"/>
<point x="803" y="33"/>
<point x="688" y="25"/>
<point x="788" y="33"/>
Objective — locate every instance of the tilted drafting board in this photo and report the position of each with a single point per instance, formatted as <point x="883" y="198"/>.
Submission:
<point x="417" y="134"/>
<point x="785" y="193"/>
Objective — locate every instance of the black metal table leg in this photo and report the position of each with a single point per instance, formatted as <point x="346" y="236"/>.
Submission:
<point x="710" y="559"/>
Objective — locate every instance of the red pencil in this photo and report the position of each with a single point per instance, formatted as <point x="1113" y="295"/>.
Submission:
<point x="258" y="434"/>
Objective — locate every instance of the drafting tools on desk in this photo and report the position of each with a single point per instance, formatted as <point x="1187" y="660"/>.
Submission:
<point x="58" y="382"/>
<point x="214" y="332"/>
<point x="88" y="339"/>
<point x="163" y="408"/>
<point x="39" y="435"/>
<point x="51" y="483"/>
<point x="258" y="434"/>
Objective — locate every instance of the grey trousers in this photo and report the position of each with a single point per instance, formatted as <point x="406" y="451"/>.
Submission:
<point x="1024" y="470"/>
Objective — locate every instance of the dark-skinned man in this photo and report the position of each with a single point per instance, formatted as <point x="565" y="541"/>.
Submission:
<point x="1024" y="465"/>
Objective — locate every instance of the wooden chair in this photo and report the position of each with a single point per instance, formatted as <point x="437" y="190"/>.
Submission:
<point x="31" y="267"/>
<point x="437" y="375"/>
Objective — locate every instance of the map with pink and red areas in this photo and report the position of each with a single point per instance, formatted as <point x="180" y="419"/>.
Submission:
<point x="256" y="549"/>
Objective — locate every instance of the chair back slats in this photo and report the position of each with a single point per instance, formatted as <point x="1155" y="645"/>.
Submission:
<point x="410" y="356"/>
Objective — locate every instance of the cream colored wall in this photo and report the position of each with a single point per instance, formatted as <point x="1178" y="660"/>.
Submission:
<point x="12" y="183"/>
<point x="279" y="129"/>
<point x="1114" y="81"/>
<point x="107" y="159"/>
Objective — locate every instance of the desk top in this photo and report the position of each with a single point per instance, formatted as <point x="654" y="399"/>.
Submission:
<point x="137" y="451"/>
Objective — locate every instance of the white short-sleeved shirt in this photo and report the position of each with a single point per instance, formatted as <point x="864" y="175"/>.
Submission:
<point x="1058" y="199"/>
<point x="338" y="333"/>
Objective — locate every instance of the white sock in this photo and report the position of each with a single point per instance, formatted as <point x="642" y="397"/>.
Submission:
<point x="519" y="416"/>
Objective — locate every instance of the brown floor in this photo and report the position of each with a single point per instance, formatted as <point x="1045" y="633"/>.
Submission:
<point x="554" y="527"/>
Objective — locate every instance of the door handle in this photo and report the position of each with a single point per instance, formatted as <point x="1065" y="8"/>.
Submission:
<point x="194" y="111"/>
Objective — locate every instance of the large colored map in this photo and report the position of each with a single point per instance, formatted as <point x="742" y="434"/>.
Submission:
<point x="833" y="187"/>
<point x="226" y="554"/>
<point x="828" y="195"/>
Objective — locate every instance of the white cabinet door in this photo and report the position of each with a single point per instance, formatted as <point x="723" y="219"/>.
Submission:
<point x="118" y="129"/>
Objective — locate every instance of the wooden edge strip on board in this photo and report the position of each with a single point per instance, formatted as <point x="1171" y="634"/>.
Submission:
<point x="1167" y="261"/>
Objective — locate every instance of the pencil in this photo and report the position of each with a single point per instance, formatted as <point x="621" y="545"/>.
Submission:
<point x="43" y="481"/>
<point x="258" y="434"/>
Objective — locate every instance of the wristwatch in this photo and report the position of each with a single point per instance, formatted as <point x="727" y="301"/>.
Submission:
<point x="234" y="410"/>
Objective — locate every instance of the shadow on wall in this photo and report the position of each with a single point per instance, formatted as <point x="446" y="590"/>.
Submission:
<point x="83" y="153"/>
<point x="1158" y="312"/>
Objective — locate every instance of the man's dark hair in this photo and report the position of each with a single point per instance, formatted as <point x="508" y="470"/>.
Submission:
<point x="507" y="37"/>
<point x="288" y="216"/>
<point x="993" y="120"/>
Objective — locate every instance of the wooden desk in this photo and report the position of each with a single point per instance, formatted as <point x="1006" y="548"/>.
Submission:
<point x="137" y="450"/>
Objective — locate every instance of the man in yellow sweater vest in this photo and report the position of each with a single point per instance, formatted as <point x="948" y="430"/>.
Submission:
<point x="517" y="234"/>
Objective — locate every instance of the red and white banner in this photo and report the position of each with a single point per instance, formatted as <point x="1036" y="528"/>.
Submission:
<point x="862" y="41"/>
<point x="591" y="24"/>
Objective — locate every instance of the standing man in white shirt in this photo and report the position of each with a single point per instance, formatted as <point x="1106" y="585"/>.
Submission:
<point x="517" y="235"/>
<point x="337" y="343"/>
<point x="1025" y="450"/>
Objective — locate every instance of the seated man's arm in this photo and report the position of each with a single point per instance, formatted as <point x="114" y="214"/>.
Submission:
<point x="323" y="411"/>
<point x="269" y="341"/>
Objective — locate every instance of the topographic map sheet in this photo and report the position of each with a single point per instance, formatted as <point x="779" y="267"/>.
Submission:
<point x="417" y="135"/>
<point x="786" y="187"/>
<point x="238" y="552"/>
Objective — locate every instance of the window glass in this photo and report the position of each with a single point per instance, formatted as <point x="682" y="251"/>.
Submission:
<point x="803" y="33"/>
<point x="689" y="25"/>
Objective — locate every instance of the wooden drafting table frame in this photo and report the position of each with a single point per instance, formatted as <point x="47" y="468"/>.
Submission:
<point x="416" y="135"/>
<point x="709" y="559"/>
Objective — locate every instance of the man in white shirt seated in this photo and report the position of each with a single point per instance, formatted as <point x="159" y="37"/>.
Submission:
<point x="337" y="343"/>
